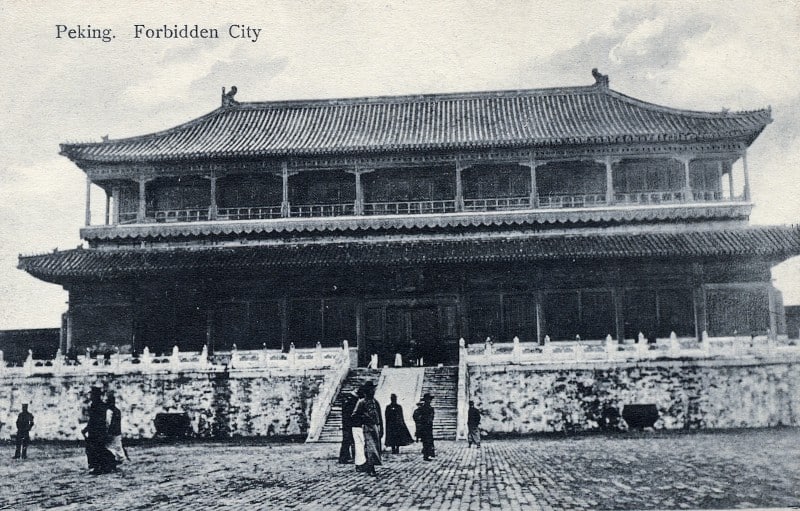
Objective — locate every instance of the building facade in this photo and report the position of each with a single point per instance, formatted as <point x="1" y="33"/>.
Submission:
<point x="402" y="224"/>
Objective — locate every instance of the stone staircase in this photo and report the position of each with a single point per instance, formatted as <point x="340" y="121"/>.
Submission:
<point x="332" y="430"/>
<point x="442" y="383"/>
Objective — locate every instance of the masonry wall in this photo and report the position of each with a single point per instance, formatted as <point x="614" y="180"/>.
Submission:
<point x="688" y="394"/>
<point x="220" y="405"/>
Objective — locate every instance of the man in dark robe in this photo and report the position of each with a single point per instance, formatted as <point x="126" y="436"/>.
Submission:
<point x="367" y="414"/>
<point x="24" y="426"/>
<point x="347" y="450"/>
<point x="473" y="421"/>
<point x="397" y="433"/>
<point x="423" y="418"/>
<point x="99" y="459"/>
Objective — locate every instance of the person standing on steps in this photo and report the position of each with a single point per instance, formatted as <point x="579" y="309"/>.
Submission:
<point x="24" y="426"/>
<point x="423" y="418"/>
<point x="347" y="450"/>
<point x="368" y="414"/>
<point x="397" y="434"/>
<point x="473" y="421"/>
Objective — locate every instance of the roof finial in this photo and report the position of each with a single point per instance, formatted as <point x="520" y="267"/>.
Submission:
<point x="227" y="98"/>
<point x="600" y="80"/>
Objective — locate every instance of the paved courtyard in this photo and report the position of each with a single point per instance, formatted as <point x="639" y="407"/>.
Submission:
<point x="656" y="470"/>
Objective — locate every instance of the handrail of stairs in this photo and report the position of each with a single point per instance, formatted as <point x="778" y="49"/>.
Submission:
<point x="324" y="401"/>
<point x="463" y="391"/>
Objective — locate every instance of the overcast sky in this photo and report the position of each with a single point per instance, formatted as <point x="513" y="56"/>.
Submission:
<point x="703" y="55"/>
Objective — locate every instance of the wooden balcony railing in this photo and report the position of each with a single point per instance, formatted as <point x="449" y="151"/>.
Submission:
<point x="670" y="197"/>
<point x="707" y="196"/>
<point x="256" y="213"/>
<point x="181" y="215"/>
<point x="572" y="201"/>
<point x="127" y="218"/>
<point x="548" y="201"/>
<point x="410" y="207"/>
<point x="497" y="203"/>
<point x="322" y="210"/>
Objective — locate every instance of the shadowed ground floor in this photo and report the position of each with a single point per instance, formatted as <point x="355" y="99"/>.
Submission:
<point x="649" y="470"/>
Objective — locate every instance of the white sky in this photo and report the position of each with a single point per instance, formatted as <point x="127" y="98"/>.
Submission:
<point x="698" y="55"/>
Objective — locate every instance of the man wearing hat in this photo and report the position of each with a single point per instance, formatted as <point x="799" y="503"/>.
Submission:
<point x="423" y="418"/>
<point x="24" y="426"/>
<point x="347" y="451"/>
<point x="367" y="415"/>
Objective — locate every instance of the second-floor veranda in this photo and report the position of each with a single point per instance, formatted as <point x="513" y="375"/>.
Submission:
<point x="435" y="189"/>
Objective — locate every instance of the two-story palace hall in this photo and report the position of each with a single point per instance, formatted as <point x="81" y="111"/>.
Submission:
<point x="404" y="223"/>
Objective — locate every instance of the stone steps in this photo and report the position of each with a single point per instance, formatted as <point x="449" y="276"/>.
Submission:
<point x="332" y="430"/>
<point x="442" y="383"/>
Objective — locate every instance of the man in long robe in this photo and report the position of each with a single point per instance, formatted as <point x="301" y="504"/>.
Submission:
<point x="397" y="434"/>
<point x="473" y="421"/>
<point x="347" y="450"/>
<point x="99" y="459"/>
<point x="423" y="418"/>
<point x="367" y="414"/>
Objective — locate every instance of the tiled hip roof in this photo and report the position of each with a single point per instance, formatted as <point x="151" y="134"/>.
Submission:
<point x="544" y="117"/>
<point x="774" y="241"/>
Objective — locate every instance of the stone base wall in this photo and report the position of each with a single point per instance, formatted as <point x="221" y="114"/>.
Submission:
<point x="520" y="399"/>
<point x="219" y="404"/>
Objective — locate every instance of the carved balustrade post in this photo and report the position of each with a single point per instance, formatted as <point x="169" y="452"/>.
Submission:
<point x="516" y="352"/>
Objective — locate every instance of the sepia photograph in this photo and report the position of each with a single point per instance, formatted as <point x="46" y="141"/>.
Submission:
<point x="412" y="255"/>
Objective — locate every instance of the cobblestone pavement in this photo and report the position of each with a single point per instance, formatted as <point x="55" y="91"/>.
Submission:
<point x="656" y="470"/>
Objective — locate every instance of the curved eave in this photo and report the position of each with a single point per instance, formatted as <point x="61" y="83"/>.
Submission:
<point x="762" y="242"/>
<point x="736" y="210"/>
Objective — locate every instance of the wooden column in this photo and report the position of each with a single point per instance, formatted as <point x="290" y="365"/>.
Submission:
<point x="746" y="177"/>
<point x="210" y="327"/>
<point x="285" y="208"/>
<point x="88" y="211"/>
<point x="141" y="213"/>
<point x="699" y="299"/>
<point x="731" y="194"/>
<point x="609" y="181"/>
<point x="687" y="187"/>
<point x="459" y="188"/>
<point x="212" y="208"/>
<point x="108" y="208"/>
<point x="359" y="207"/>
<point x="360" y="342"/>
<point x="284" y="323"/>
<point x="115" y="205"/>
<point x="533" y="197"/>
<point x="719" y="178"/>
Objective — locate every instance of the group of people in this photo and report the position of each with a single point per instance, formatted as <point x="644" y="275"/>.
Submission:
<point x="363" y="428"/>
<point x="103" y="434"/>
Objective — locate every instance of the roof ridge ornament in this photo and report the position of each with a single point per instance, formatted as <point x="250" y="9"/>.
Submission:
<point x="227" y="97"/>
<point x="600" y="80"/>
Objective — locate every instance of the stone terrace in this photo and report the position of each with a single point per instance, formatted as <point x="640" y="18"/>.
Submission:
<point x="649" y="470"/>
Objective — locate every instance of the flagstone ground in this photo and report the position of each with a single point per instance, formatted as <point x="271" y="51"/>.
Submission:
<point x="644" y="470"/>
